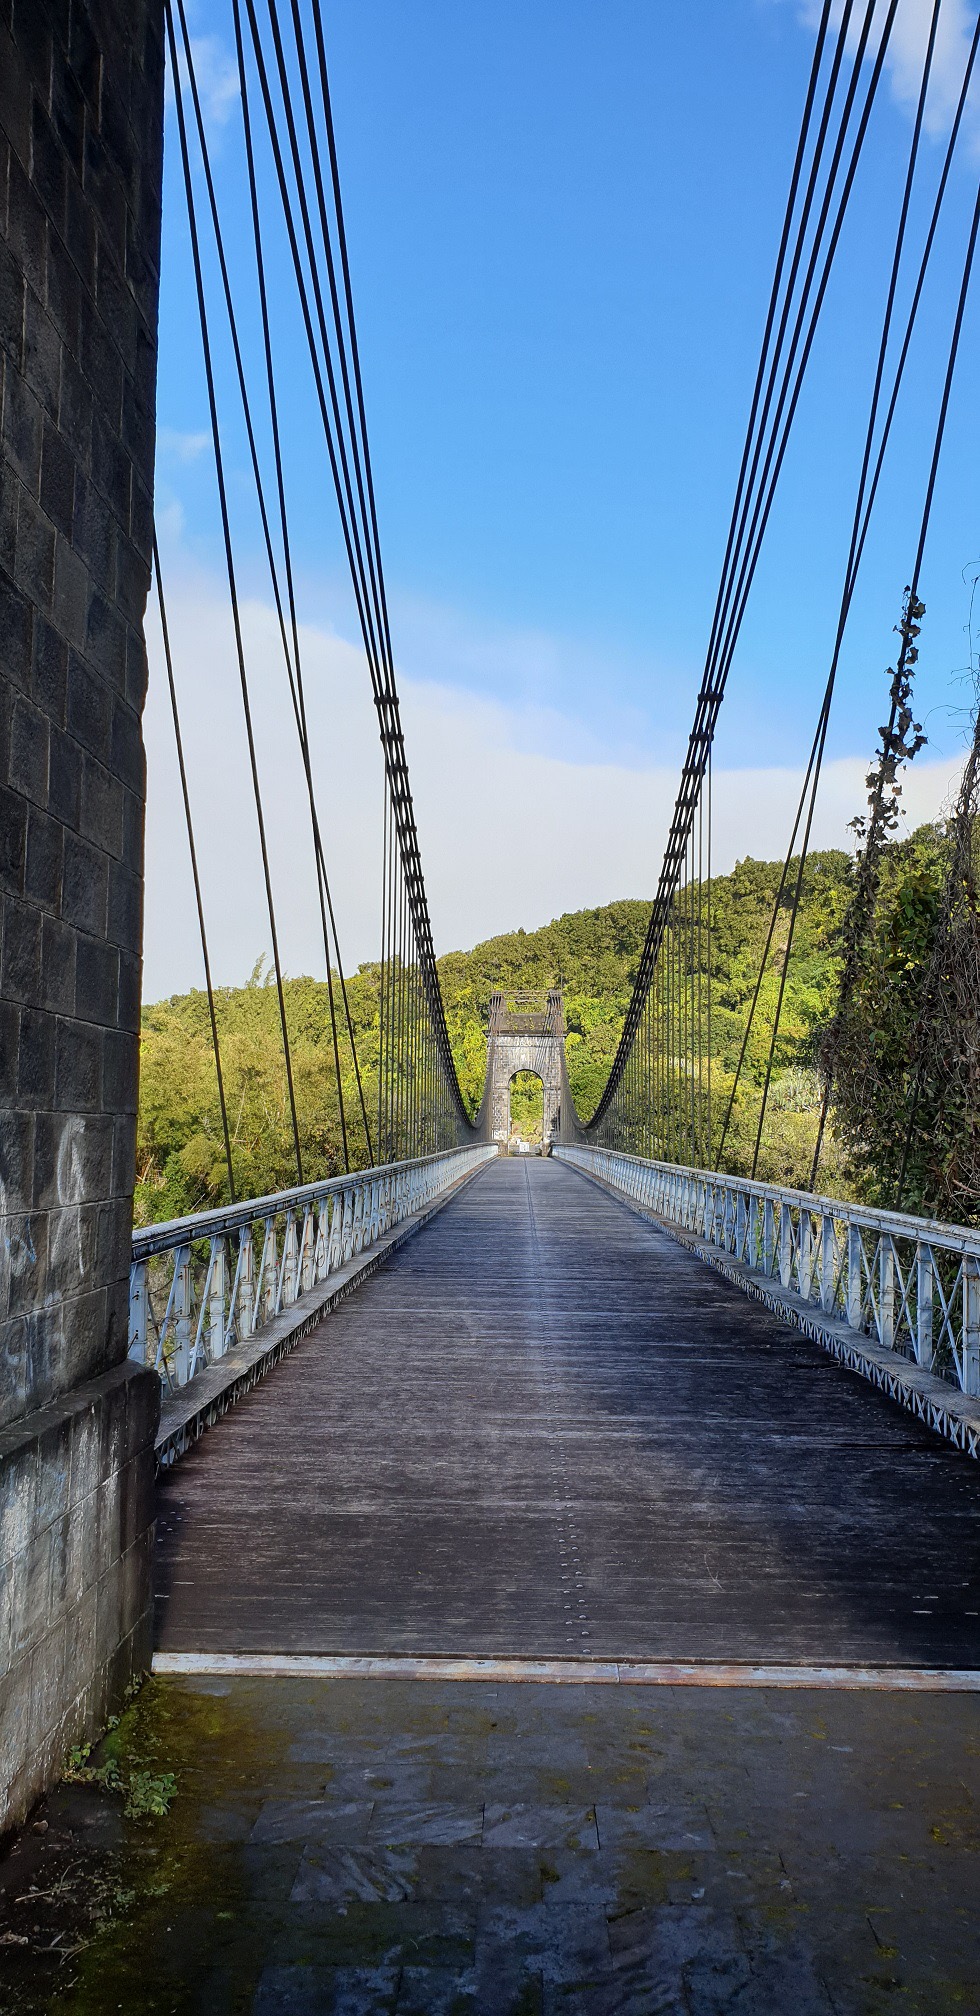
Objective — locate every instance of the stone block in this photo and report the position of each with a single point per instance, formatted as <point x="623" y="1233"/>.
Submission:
<point x="120" y="1071"/>
<point x="75" y="403"/>
<point x="129" y="992"/>
<point x="125" y="753"/>
<point x="57" y="966"/>
<point x="20" y="972"/>
<point x="132" y="581"/>
<point x="50" y="668"/>
<point x="115" y="1239"/>
<point x="27" y="228"/>
<point x="101" y="819"/>
<point x="123" y="1157"/>
<point x="64" y="778"/>
<point x="94" y="537"/>
<point x="13" y="841"/>
<point x="57" y="480"/>
<point x="47" y="1684"/>
<point x="105" y="640"/>
<point x="81" y="234"/>
<point x="10" y="493"/>
<point x="71" y="587"/>
<point x="29" y="750"/>
<point x="85" y="885"/>
<point x="42" y="354"/>
<point x="69" y="271"/>
<point x="17" y="1156"/>
<point x="11" y="1609"/>
<point x="10" y="1018"/>
<point x="19" y="1482"/>
<point x="34" y="552"/>
<point x="25" y="1238"/>
<point x="13" y="295"/>
<point x="78" y="1070"/>
<point x="31" y="1621"/>
<point x="35" y="1059"/>
<point x="125" y="921"/>
<point x="15" y="1720"/>
<point x="96" y="983"/>
<point x="85" y="57"/>
<point x="68" y="115"/>
<point x="15" y="98"/>
<point x="45" y="858"/>
<point x="16" y="633"/>
<point x="32" y="36"/>
<point x="117" y="311"/>
<point x="105" y="192"/>
<point x="49" y="169"/>
<point x="111" y="470"/>
<point x="135" y="669"/>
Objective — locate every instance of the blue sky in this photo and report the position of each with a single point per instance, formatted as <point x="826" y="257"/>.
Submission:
<point x="563" y="220"/>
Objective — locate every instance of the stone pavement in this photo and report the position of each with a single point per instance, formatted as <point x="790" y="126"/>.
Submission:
<point x="356" y="1847"/>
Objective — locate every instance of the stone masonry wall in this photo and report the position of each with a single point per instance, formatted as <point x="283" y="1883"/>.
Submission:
<point x="81" y="123"/>
<point x="509" y="1054"/>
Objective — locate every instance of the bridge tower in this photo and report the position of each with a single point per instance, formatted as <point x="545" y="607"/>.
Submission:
<point x="526" y="1032"/>
<point x="81" y="145"/>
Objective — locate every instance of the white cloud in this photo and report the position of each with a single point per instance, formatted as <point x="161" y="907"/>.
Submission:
<point x="510" y="836"/>
<point x="181" y="447"/>
<point x="216" y="76"/>
<point x="907" y="48"/>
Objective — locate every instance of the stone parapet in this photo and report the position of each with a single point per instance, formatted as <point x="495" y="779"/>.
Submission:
<point x="76" y="1538"/>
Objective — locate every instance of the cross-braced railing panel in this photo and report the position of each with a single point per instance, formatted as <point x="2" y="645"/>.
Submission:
<point x="912" y="1284"/>
<point x="200" y="1285"/>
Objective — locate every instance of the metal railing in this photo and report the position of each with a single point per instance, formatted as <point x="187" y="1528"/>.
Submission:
<point x="911" y="1284"/>
<point x="200" y="1285"/>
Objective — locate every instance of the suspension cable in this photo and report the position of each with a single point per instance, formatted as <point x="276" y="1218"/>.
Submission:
<point x="198" y="897"/>
<point x="232" y="580"/>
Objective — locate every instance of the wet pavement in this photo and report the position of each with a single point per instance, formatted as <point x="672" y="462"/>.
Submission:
<point x="364" y="1846"/>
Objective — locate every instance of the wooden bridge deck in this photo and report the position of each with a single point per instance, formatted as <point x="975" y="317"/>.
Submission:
<point x="545" y="1429"/>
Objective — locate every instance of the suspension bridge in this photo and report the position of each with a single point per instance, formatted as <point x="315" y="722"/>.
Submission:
<point x="616" y="1412"/>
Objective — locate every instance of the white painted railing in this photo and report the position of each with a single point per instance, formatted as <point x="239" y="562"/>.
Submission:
<point x="199" y="1285"/>
<point x="912" y="1284"/>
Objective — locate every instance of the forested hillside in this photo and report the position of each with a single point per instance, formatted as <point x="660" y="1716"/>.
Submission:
<point x="591" y="954"/>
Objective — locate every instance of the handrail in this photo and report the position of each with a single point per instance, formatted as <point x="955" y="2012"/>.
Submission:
<point x="913" y="1284"/>
<point x="199" y="1285"/>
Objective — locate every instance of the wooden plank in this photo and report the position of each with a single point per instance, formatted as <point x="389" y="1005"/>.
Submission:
<point x="544" y="1430"/>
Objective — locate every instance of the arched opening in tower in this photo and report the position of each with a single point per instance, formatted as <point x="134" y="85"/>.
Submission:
<point x="526" y="1112"/>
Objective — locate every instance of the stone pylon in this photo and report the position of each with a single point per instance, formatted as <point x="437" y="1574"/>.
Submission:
<point x="526" y="1033"/>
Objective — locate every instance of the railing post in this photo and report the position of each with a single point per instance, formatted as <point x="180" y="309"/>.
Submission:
<point x="245" y="1313"/>
<point x="217" y="1328"/>
<point x="804" y="1252"/>
<point x="137" y="1311"/>
<point x="768" y="1236"/>
<point x="753" y="1231"/>
<point x="738" y="1243"/>
<point x="307" y="1250"/>
<point x="786" y="1243"/>
<point x="855" y="1290"/>
<point x="288" y="1269"/>
<point x="828" y="1263"/>
<point x="971" y="1325"/>
<point x="335" y="1248"/>
<point x="924" y="1275"/>
<point x="181" y="1309"/>
<point x="886" y="1291"/>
